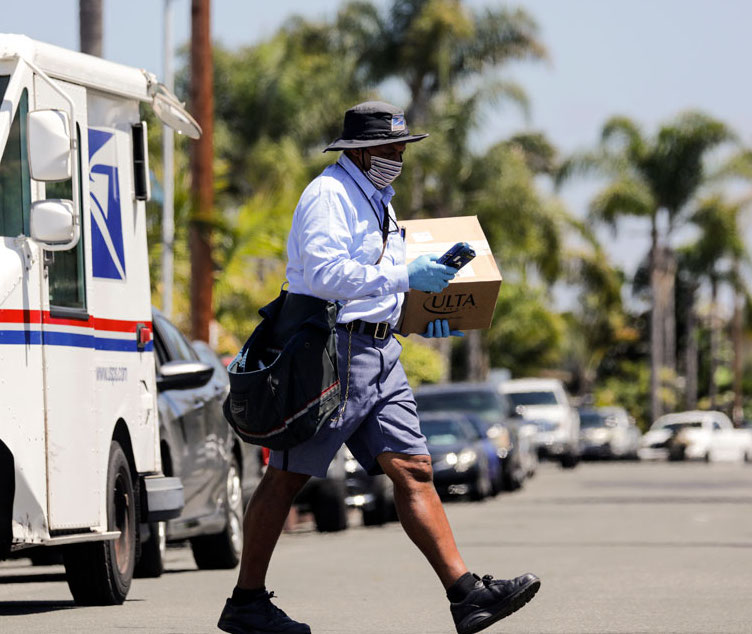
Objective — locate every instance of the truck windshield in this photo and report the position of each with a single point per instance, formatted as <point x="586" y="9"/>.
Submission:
<point x="484" y="404"/>
<point x="15" y="186"/>
<point x="531" y="398"/>
<point x="591" y="419"/>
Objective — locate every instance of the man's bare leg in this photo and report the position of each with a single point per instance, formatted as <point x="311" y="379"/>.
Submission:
<point x="264" y="519"/>
<point x="422" y="514"/>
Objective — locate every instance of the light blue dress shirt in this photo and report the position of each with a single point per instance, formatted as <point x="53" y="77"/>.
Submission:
<point x="336" y="240"/>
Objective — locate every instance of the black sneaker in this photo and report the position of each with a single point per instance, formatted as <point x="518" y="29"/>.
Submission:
<point x="491" y="600"/>
<point x="259" y="617"/>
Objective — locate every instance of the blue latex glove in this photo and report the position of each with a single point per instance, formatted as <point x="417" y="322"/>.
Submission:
<point x="440" y="328"/>
<point x="427" y="275"/>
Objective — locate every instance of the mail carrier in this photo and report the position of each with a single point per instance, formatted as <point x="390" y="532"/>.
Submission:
<point x="80" y="463"/>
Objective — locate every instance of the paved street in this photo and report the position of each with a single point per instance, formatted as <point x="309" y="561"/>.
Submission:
<point x="620" y="548"/>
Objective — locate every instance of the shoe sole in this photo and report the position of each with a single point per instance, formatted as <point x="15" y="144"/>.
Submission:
<point x="236" y="629"/>
<point x="501" y="610"/>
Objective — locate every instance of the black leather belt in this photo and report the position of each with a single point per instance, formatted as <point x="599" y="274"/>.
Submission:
<point x="380" y="330"/>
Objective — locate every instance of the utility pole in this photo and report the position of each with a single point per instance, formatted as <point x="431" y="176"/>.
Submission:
<point x="202" y="102"/>
<point x="168" y="171"/>
<point x="90" y="26"/>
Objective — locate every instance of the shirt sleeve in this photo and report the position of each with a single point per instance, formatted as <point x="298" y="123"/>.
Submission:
<point x="325" y="239"/>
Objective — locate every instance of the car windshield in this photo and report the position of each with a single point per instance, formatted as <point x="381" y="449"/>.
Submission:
<point x="479" y="402"/>
<point x="443" y="432"/>
<point x="526" y="399"/>
<point x="678" y="426"/>
<point x="591" y="419"/>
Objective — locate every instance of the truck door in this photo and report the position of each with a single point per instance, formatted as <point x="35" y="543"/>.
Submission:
<point x="75" y="470"/>
<point x="21" y="398"/>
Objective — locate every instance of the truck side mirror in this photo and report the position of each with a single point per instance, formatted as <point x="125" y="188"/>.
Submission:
<point x="54" y="224"/>
<point x="50" y="146"/>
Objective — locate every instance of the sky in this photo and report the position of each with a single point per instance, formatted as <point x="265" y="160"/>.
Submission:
<point x="647" y="59"/>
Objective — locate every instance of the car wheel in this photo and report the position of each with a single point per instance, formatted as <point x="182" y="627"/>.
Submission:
<point x="569" y="460"/>
<point x="329" y="507"/>
<point x="379" y="514"/>
<point x="100" y="573"/>
<point x="153" y="549"/>
<point x="222" y="551"/>
<point x="482" y="487"/>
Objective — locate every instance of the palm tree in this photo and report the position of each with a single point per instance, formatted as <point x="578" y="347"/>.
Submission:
<point x="719" y="252"/>
<point x="655" y="178"/>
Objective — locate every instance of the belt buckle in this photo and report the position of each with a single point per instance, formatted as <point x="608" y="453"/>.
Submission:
<point x="382" y="330"/>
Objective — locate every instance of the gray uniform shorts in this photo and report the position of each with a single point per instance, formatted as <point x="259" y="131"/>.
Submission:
<point x="380" y="415"/>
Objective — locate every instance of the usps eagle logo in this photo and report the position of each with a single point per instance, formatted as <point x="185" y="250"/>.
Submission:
<point x="398" y="123"/>
<point x="107" y="252"/>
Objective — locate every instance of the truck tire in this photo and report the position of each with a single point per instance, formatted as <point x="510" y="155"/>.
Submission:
<point x="151" y="563"/>
<point x="100" y="573"/>
<point x="222" y="551"/>
<point x="329" y="507"/>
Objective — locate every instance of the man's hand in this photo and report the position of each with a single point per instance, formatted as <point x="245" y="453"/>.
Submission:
<point x="427" y="275"/>
<point x="440" y="328"/>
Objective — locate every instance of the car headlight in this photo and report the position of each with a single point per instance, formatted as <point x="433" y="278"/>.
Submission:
<point x="466" y="459"/>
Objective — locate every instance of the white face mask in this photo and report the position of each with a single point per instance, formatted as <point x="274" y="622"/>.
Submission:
<point x="383" y="171"/>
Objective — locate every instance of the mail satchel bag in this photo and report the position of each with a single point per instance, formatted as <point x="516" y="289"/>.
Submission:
<point x="284" y="383"/>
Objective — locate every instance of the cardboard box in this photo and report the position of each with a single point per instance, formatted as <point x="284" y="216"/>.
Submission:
<point x="469" y="301"/>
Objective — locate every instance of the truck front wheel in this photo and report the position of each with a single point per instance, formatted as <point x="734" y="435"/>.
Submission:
<point x="100" y="573"/>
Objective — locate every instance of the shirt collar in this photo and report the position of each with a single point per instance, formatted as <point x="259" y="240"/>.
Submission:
<point x="381" y="196"/>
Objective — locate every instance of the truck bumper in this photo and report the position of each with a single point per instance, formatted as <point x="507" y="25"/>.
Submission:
<point x="162" y="498"/>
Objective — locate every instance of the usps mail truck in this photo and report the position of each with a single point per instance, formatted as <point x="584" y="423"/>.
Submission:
<point x="80" y="461"/>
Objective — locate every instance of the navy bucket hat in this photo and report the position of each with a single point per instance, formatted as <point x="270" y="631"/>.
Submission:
<point x="373" y="123"/>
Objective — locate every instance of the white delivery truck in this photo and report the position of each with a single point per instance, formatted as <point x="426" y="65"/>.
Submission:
<point x="80" y="463"/>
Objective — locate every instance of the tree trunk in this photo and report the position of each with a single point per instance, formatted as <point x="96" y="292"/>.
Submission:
<point x="690" y="393"/>
<point x="712" y="388"/>
<point x="656" y="330"/>
<point x="668" y="293"/>
<point x="477" y="359"/>
<point x="202" y="182"/>
<point x="738" y="412"/>
<point x="90" y="26"/>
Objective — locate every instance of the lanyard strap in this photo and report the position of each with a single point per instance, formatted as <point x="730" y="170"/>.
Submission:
<point x="383" y="224"/>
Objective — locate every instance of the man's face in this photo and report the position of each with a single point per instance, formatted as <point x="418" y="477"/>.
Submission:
<point x="391" y="151"/>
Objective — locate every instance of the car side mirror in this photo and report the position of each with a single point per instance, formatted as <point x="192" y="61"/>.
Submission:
<point x="54" y="224"/>
<point x="49" y="145"/>
<point x="183" y="375"/>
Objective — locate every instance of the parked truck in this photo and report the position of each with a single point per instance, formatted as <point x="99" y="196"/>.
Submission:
<point x="80" y="464"/>
<point x="697" y="435"/>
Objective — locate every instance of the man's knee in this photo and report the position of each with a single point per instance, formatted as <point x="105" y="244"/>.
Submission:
<point x="407" y="471"/>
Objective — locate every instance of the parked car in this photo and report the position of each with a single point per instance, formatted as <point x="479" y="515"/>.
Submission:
<point x="250" y="455"/>
<point x="495" y="462"/>
<point x="696" y="435"/>
<point x="545" y="402"/>
<point x="326" y="498"/>
<point x="493" y="408"/>
<point x="460" y="463"/>
<point x="608" y="432"/>
<point x="372" y="495"/>
<point x="199" y="447"/>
